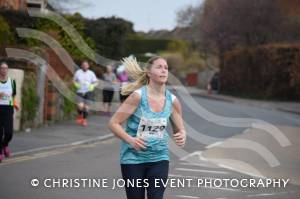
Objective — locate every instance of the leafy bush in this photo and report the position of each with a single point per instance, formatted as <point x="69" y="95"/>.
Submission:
<point x="270" y="71"/>
<point x="6" y="36"/>
<point x="29" y="100"/>
<point x="142" y="45"/>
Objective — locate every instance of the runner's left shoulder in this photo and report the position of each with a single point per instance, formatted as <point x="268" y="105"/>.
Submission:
<point x="173" y="97"/>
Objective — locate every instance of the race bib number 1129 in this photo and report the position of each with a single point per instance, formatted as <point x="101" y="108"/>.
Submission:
<point x="152" y="127"/>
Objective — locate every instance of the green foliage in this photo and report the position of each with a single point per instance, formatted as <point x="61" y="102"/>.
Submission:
<point x="21" y="19"/>
<point x="6" y="36"/>
<point x="29" y="99"/>
<point x="109" y="35"/>
<point x="68" y="108"/>
<point x="77" y="21"/>
<point x="144" y="45"/>
<point x="17" y="19"/>
<point x="178" y="46"/>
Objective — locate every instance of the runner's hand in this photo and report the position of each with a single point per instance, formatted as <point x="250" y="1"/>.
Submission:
<point x="15" y="104"/>
<point x="138" y="143"/>
<point x="16" y="107"/>
<point x="77" y="85"/>
<point x="91" y="87"/>
<point x="180" y="138"/>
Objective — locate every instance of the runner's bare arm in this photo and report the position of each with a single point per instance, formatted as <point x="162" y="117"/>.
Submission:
<point x="177" y="124"/>
<point x="95" y="83"/>
<point x="126" y="109"/>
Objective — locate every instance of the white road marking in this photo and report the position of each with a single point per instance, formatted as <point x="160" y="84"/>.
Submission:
<point x="220" y="188"/>
<point x="246" y="131"/>
<point x="196" y="153"/>
<point x="60" y="146"/>
<point x="192" y="177"/>
<point x="241" y="171"/>
<point x="184" y="196"/>
<point x="202" y="170"/>
<point x="199" y="154"/>
<point x="266" y="194"/>
<point x="61" y="150"/>
<point x="195" y="164"/>
<point x="213" y="145"/>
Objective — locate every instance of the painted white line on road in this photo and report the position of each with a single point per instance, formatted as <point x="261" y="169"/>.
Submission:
<point x="213" y="145"/>
<point x="241" y="171"/>
<point x="192" y="177"/>
<point x="201" y="170"/>
<point x="195" y="164"/>
<point x="246" y="131"/>
<point x="100" y="138"/>
<point x="195" y="153"/>
<point x="45" y="154"/>
<point x="220" y="188"/>
<point x="266" y="194"/>
<point x="199" y="154"/>
<point x="201" y="157"/>
<point x="184" y="196"/>
<point x="54" y="150"/>
<point x="53" y="147"/>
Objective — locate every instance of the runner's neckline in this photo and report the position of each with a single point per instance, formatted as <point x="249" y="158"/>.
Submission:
<point x="3" y="82"/>
<point x="148" y="104"/>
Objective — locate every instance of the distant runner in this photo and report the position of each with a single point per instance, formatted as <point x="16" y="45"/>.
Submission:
<point x="7" y="105"/>
<point x="85" y="82"/>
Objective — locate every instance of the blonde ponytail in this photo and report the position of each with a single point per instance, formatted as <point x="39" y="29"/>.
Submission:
<point x="136" y="73"/>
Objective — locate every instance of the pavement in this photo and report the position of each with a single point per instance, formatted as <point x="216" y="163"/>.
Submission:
<point x="67" y="133"/>
<point x="60" y="135"/>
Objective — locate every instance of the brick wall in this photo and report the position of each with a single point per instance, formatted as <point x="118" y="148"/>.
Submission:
<point x="53" y="99"/>
<point x="14" y="4"/>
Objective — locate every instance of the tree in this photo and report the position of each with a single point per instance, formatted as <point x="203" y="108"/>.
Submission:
<point x="226" y="24"/>
<point x="109" y="34"/>
<point x="187" y="17"/>
<point x="231" y="23"/>
<point x="188" y="20"/>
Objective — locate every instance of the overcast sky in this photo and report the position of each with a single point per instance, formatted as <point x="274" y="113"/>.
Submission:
<point x="145" y="14"/>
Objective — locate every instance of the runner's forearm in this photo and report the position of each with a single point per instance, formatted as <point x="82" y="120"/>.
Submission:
<point x="119" y="132"/>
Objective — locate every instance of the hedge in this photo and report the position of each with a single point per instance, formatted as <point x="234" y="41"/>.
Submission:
<point x="137" y="46"/>
<point x="269" y="72"/>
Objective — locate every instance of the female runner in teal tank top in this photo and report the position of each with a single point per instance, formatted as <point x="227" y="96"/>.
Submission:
<point x="144" y="154"/>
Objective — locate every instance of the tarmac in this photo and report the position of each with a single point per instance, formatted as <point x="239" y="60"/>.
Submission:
<point x="68" y="133"/>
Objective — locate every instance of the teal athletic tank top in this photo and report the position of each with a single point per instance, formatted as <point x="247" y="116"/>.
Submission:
<point x="154" y="124"/>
